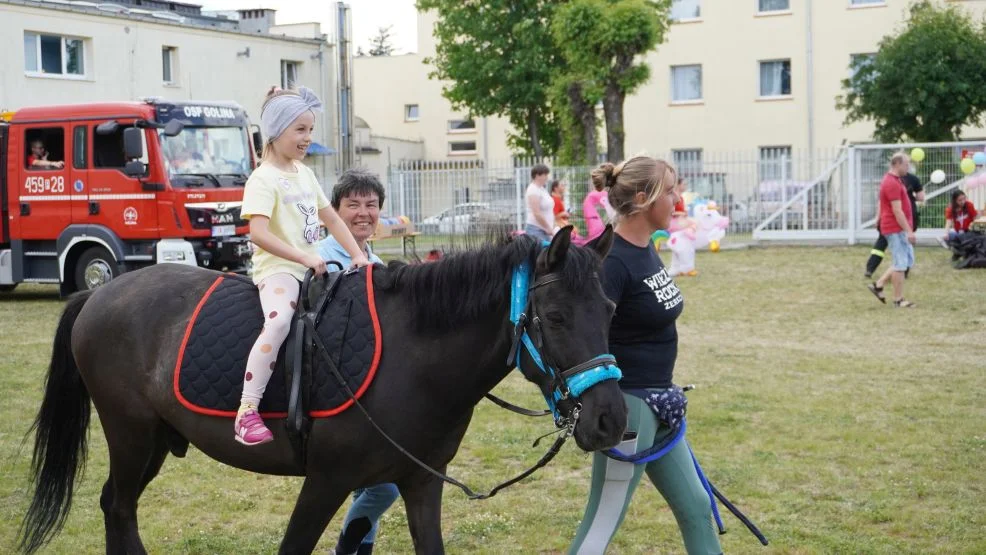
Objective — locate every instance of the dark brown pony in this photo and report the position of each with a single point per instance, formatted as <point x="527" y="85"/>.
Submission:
<point x="446" y="336"/>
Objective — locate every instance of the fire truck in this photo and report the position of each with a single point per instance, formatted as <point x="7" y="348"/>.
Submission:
<point x="90" y="191"/>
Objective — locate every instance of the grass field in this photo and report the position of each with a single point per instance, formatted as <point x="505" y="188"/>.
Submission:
<point x="838" y="424"/>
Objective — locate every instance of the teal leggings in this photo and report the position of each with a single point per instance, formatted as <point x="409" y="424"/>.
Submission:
<point x="674" y="475"/>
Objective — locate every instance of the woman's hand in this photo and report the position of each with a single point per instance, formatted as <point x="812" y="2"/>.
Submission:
<point x="316" y="263"/>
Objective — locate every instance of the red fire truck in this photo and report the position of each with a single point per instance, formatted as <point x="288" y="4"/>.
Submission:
<point x="93" y="190"/>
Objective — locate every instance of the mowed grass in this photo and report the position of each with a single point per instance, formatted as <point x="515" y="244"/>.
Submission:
<point x="838" y="424"/>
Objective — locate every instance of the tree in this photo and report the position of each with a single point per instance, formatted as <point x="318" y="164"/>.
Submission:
<point x="574" y="100"/>
<point x="600" y="41"/>
<point x="381" y="45"/>
<point x="498" y="58"/>
<point x="925" y="83"/>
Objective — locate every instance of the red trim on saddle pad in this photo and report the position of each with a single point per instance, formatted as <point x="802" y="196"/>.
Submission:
<point x="377" y="351"/>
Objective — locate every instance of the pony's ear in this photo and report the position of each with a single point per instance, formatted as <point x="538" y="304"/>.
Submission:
<point x="558" y="249"/>
<point x="603" y="243"/>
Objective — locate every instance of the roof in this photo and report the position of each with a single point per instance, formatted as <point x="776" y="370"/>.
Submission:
<point x="94" y="110"/>
<point x="132" y="13"/>
<point x="97" y="110"/>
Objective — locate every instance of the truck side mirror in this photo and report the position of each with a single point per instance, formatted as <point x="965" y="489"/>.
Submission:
<point x="107" y="127"/>
<point x="133" y="150"/>
<point x="135" y="168"/>
<point x="173" y="128"/>
<point x="133" y="145"/>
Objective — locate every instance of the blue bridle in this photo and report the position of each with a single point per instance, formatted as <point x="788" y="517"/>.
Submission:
<point x="565" y="385"/>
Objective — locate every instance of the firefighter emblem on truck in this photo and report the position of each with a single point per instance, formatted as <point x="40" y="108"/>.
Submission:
<point x="130" y="215"/>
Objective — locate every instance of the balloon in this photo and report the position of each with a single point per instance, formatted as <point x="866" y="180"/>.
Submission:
<point x="937" y="177"/>
<point x="979" y="158"/>
<point x="917" y="154"/>
<point x="967" y="166"/>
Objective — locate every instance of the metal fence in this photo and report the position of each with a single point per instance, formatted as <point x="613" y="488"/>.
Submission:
<point x="772" y="192"/>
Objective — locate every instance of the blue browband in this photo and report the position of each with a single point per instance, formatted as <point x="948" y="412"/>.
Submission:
<point x="577" y="384"/>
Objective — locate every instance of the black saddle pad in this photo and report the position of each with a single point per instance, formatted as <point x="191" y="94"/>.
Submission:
<point x="213" y="354"/>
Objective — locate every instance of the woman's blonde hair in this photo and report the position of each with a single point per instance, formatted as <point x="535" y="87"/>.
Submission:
<point x="272" y="93"/>
<point x="640" y="174"/>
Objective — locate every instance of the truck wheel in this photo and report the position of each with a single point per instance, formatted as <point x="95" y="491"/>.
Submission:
<point x="95" y="267"/>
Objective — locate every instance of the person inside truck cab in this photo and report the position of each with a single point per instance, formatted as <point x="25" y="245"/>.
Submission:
<point x="38" y="159"/>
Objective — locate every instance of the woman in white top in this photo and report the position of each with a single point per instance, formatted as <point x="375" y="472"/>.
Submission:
<point x="540" y="205"/>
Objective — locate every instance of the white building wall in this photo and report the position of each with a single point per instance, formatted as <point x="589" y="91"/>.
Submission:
<point x="123" y="61"/>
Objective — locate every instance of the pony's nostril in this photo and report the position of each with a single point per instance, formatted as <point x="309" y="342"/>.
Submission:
<point x="605" y="424"/>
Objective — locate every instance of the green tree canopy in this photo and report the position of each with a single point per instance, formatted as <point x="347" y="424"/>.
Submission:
<point x="925" y="82"/>
<point x="497" y="57"/>
<point x="602" y="42"/>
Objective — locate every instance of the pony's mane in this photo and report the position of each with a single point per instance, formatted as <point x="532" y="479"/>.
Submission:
<point x="466" y="285"/>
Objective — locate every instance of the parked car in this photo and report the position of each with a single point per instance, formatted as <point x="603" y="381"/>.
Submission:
<point x="456" y="220"/>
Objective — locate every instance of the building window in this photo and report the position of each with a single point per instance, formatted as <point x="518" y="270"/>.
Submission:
<point x="775" y="163"/>
<point x="462" y="147"/>
<point x="858" y="62"/>
<point x="866" y="2"/>
<point x="688" y="161"/>
<point x="411" y="112"/>
<point x="775" y="78"/>
<point x="54" y="55"/>
<point x="461" y="126"/>
<point x="289" y="74"/>
<point x="683" y="10"/>
<point x="765" y="6"/>
<point x="169" y="64"/>
<point x="686" y="83"/>
<point x="45" y="147"/>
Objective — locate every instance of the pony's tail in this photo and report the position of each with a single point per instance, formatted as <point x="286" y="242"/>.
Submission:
<point x="62" y="427"/>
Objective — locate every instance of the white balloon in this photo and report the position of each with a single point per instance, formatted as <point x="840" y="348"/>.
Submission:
<point x="938" y="177"/>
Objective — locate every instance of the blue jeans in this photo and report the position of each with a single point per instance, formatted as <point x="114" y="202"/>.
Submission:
<point x="537" y="232"/>
<point x="371" y="503"/>
<point x="952" y="234"/>
<point x="901" y="251"/>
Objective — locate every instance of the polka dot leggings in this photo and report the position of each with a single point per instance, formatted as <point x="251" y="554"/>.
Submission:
<point x="278" y="298"/>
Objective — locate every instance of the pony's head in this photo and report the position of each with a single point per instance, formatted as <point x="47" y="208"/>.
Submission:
<point x="568" y="322"/>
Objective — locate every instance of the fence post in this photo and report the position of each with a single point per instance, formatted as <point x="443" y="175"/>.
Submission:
<point x="784" y="177"/>
<point x="402" y="194"/>
<point x="519" y="217"/>
<point x="855" y="215"/>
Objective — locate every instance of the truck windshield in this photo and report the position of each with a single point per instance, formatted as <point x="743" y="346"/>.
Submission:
<point x="221" y="153"/>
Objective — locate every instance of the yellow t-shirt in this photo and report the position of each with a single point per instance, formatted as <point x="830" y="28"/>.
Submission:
<point x="292" y="202"/>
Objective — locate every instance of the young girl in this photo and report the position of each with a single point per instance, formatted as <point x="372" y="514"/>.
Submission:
<point x="644" y="340"/>
<point x="959" y="215"/>
<point x="284" y="203"/>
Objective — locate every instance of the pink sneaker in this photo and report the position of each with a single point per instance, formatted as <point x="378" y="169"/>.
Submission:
<point x="249" y="429"/>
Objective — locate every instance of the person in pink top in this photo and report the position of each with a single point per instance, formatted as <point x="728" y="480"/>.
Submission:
<point x="593" y="223"/>
<point x="897" y="225"/>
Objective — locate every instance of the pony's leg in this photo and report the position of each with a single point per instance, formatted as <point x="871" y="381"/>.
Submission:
<point x="422" y="495"/>
<point x="318" y="502"/>
<point x="137" y="452"/>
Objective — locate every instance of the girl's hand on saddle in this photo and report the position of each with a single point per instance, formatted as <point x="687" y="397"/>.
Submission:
<point x="360" y="261"/>
<point x="316" y="263"/>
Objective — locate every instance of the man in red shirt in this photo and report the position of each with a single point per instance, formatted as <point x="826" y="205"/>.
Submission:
<point x="897" y="225"/>
<point x="38" y="159"/>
